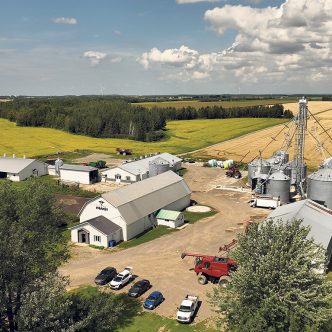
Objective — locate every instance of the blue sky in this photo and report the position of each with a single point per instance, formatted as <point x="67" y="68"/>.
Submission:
<point x="164" y="46"/>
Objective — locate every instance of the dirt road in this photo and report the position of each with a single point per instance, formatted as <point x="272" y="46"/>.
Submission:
<point x="159" y="260"/>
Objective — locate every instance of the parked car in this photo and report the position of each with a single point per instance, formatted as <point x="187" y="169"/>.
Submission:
<point x="153" y="300"/>
<point x="187" y="309"/>
<point x="122" y="278"/>
<point x="139" y="288"/>
<point x="106" y="275"/>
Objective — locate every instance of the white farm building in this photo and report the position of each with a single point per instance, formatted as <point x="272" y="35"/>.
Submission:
<point x="138" y="170"/>
<point x="76" y="173"/>
<point x="124" y="213"/>
<point x="18" y="169"/>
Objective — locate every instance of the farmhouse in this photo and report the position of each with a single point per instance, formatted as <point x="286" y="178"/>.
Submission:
<point x="142" y="169"/>
<point x="18" y="169"/>
<point x="318" y="217"/>
<point x="124" y="213"/>
<point x="76" y="173"/>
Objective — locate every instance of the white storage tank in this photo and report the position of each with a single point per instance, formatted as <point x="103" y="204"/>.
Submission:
<point x="319" y="187"/>
<point x="278" y="185"/>
<point x="158" y="166"/>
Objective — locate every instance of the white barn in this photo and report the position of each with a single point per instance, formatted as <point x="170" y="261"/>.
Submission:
<point x="76" y="173"/>
<point x="139" y="170"/>
<point x="132" y="208"/>
<point x="18" y="169"/>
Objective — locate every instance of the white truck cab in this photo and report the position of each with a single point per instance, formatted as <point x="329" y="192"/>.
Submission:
<point x="187" y="309"/>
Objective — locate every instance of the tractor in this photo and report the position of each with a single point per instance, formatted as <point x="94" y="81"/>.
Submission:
<point x="233" y="172"/>
<point x="213" y="268"/>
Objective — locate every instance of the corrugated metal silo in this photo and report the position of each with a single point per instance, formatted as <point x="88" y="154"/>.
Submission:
<point x="158" y="166"/>
<point x="278" y="185"/>
<point x="293" y="167"/>
<point x="257" y="166"/>
<point x="319" y="187"/>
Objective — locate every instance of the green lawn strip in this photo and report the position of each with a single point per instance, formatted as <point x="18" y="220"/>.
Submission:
<point x="192" y="217"/>
<point x="149" y="322"/>
<point x="150" y="235"/>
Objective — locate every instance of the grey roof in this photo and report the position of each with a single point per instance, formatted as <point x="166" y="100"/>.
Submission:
<point x="323" y="174"/>
<point x="279" y="175"/>
<point x="139" y="199"/>
<point x="14" y="165"/>
<point x="102" y="224"/>
<point x="318" y="217"/>
<point x="159" y="161"/>
<point x="142" y="166"/>
<point x="78" y="168"/>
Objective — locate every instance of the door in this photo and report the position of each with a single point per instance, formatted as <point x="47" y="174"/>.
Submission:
<point x="83" y="236"/>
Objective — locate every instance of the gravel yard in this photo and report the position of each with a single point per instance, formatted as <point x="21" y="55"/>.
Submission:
<point x="159" y="260"/>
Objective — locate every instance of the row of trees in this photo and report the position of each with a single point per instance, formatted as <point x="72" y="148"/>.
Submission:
<point x="32" y="294"/>
<point x="115" y="117"/>
<point x="218" y="112"/>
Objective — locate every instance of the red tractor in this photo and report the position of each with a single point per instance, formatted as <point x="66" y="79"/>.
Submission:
<point x="233" y="172"/>
<point x="213" y="268"/>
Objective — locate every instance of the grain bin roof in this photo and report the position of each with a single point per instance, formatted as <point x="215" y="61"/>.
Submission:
<point x="142" y="166"/>
<point x="139" y="199"/>
<point x="318" y="217"/>
<point x="100" y="223"/>
<point x="323" y="174"/>
<point x="14" y="165"/>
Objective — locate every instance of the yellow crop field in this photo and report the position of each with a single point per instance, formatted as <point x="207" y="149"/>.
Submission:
<point x="226" y="104"/>
<point x="184" y="136"/>
<point x="248" y="147"/>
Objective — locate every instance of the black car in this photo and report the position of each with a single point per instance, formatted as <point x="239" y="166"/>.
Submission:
<point x="139" y="288"/>
<point x="106" y="275"/>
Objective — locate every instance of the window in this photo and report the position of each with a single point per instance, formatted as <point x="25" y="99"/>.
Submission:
<point x="128" y="178"/>
<point x="96" y="238"/>
<point x="117" y="176"/>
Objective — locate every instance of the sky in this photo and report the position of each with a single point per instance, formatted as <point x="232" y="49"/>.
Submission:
<point x="147" y="47"/>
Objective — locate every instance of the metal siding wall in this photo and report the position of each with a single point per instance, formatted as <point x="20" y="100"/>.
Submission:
<point x="74" y="176"/>
<point x="111" y="174"/>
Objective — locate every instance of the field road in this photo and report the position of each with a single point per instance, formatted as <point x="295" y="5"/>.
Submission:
<point x="159" y="260"/>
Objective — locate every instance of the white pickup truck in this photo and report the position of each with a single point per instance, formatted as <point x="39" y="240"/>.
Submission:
<point x="122" y="278"/>
<point x="187" y="309"/>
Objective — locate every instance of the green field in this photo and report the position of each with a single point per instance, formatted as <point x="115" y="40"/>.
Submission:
<point x="225" y="104"/>
<point x="183" y="136"/>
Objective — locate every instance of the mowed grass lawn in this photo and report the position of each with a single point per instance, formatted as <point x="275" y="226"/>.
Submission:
<point x="225" y="104"/>
<point x="184" y="136"/>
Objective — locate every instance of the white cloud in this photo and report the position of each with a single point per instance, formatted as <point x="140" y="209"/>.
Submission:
<point x="180" y="2"/>
<point x="94" y="57"/>
<point x="272" y="45"/>
<point x="117" y="32"/>
<point x="65" y="20"/>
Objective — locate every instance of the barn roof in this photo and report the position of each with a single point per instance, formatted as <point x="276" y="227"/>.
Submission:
<point x="318" y="217"/>
<point x="77" y="168"/>
<point x="142" y="198"/>
<point x="101" y="224"/>
<point x="142" y="166"/>
<point x="14" y="165"/>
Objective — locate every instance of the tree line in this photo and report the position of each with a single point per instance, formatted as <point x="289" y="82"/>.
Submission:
<point x="218" y="112"/>
<point x="115" y="117"/>
<point x="86" y="116"/>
